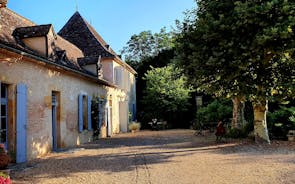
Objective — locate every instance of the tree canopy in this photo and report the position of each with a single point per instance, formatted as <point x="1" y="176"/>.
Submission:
<point x="235" y="47"/>
<point x="166" y="91"/>
<point x="146" y="44"/>
<point x="241" y="48"/>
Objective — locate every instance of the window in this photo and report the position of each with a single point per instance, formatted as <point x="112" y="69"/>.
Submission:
<point x="118" y="76"/>
<point x="4" y="114"/>
<point x="128" y="81"/>
<point x="84" y="109"/>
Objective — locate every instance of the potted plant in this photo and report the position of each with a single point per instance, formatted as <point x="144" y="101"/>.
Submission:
<point x="4" y="178"/>
<point x="134" y="126"/>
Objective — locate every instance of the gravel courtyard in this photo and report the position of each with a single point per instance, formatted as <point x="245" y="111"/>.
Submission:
<point x="164" y="157"/>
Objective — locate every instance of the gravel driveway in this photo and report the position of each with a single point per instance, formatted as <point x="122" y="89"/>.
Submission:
<point x="164" y="157"/>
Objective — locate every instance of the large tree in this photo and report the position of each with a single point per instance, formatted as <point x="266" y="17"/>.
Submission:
<point x="147" y="44"/>
<point x="242" y="49"/>
<point x="166" y="92"/>
<point x="144" y="50"/>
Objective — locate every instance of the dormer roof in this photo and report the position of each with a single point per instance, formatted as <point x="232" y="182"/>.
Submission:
<point x="32" y="31"/>
<point x="15" y="27"/>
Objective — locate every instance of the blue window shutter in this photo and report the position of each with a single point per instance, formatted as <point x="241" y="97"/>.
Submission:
<point x="21" y="123"/>
<point x="89" y="113"/>
<point x="80" y="112"/>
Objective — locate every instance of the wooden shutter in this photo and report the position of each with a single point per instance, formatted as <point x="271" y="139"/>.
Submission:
<point x="80" y="113"/>
<point x="89" y="113"/>
<point x="21" y="123"/>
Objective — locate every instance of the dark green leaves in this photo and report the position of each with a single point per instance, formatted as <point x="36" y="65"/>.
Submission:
<point x="240" y="47"/>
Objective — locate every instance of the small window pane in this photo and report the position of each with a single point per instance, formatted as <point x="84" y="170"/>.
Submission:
<point x="85" y="113"/>
<point x="3" y="110"/>
<point x="3" y="91"/>
<point x="3" y="136"/>
<point x="3" y="123"/>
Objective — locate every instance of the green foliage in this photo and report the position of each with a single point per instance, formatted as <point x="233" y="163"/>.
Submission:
<point x="215" y="111"/>
<point x="279" y="122"/>
<point x="240" y="48"/>
<point x="292" y="117"/>
<point x="240" y="133"/>
<point x="95" y="116"/>
<point x="146" y="44"/>
<point x="143" y="51"/>
<point x="236" y="133"/>
<point x="166" y="91"/>
<point x="4" y="175"/>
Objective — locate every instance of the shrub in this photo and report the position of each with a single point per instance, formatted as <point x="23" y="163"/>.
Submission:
<point x="280" y="122"/>
<point x="237" y="133"/>
<point x="217" y="110"/>
<point x="4" y="178"/>
<point x="134" y="126"/>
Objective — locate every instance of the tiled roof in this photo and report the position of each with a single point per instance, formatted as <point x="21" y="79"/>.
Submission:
<point x="72" y="52"/>
<point x="15" y="27"/>
<point x="79" y="32"/>
<point x="82" y="34"/>
<point x="3" y="3"/>
<point x="9" y="21"/>
<point x="88" y="60"/>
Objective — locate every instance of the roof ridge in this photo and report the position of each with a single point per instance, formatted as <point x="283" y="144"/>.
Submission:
<point x="41" y="25"/>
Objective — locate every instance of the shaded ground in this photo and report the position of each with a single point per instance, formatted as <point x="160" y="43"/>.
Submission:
<point x="174" y="156"/>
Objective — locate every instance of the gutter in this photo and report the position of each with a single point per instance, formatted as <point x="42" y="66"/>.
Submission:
<point x="38" y="58"/>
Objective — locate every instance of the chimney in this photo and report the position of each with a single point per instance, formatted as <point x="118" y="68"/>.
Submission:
<point x="107" y="46"/>
<point x="3" y="3"/>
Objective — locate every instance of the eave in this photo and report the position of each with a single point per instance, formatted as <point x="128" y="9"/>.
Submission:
<point x="58" y="66"/>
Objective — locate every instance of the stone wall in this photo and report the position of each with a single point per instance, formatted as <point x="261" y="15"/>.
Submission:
<point x="41" y="80"/>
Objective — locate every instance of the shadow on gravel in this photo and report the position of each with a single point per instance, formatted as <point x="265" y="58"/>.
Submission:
<point x="139" y="150"/>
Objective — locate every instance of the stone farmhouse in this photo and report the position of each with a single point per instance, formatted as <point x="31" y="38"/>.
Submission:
<point x="54" y="84"/>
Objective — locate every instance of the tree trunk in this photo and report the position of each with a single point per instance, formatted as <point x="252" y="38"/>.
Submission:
<point x="260" y="125"/>
<point x="238" y="120"/>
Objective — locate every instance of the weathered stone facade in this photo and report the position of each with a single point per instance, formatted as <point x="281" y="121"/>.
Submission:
<point x="60" y="80"/>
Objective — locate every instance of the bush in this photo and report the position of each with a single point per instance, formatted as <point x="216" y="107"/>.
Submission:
<point x="215" y="111"/>
<point x="4" y="178"/>
<point x="280" y="122"/>
<point x="237" y="133"/>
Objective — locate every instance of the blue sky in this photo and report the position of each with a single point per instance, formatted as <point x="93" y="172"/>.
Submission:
<point x="115" y="20"/>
